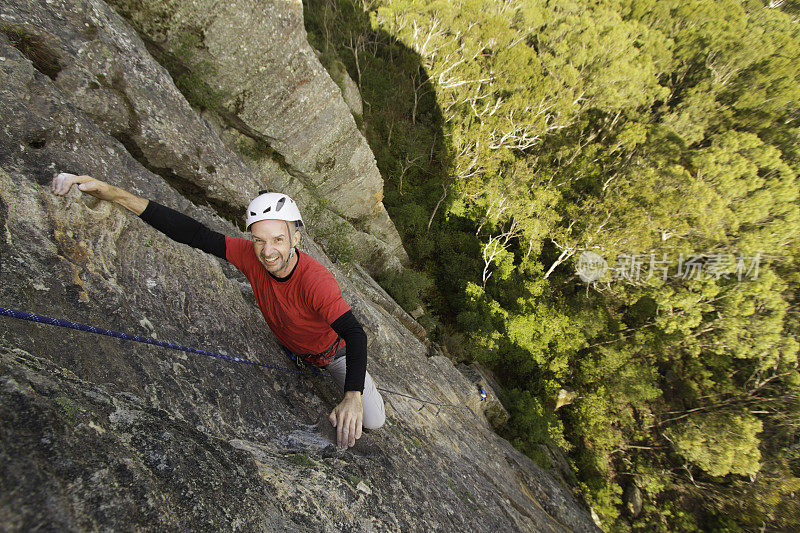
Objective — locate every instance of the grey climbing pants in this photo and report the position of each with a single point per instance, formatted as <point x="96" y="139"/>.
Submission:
<point x="371" y="399"/>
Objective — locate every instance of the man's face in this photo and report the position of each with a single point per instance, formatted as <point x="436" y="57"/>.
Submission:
<point x="272" y="244"/>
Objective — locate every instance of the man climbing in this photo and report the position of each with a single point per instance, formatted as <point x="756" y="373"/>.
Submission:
<point x="298" y="297"/>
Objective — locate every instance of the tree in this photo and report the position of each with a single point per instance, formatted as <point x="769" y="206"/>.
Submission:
<point x="720" y="443"/>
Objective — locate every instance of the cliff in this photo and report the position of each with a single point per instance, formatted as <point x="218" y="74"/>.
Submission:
<point x="103" y="434"/>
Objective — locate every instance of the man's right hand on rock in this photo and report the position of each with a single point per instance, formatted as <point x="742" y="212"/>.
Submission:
<point x="99" y="189"/>
<point x="64" y="181"/>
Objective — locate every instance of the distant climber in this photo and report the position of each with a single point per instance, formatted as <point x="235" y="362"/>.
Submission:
<point x="298" y="297"/>
<point x="483" y="392"/>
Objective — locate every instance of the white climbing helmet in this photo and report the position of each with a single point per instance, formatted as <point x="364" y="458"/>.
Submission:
<point x="274" y="206"/>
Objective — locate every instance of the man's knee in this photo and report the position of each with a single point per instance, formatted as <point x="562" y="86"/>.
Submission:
<point x="374" y="412"/>
<point x="374" y="421"/>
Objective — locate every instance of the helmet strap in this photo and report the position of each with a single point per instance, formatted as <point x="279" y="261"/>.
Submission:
<point x="291" y="241"/>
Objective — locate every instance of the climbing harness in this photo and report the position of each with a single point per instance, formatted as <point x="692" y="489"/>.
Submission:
<point x="314" y="360"/>
<point x="301" y="364"/>
<point x="33" y="317"/>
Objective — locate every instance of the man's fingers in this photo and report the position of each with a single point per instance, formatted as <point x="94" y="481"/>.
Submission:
<point x="63" y="182"/>
<point x="352" y="433"/>
<point x="348" y="426"/>
<point x="345" y="432"/>
<point x="338" y="421"/>
<point x="93" y="187"/>
<point x="341" y="430"/>
<point x="357" y="427"/>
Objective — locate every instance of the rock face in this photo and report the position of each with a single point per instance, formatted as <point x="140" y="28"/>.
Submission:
<point x="491" y="407"/>
<point x="633" y="498"/>
<point x="274" y="89"/>
<point x="102" y="434"/>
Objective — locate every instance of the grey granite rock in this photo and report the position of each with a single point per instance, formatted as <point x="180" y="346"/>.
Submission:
<point x="275" y="90"/>
<point x="633" y="498"/>
<point x="494" y="411"/>
<point x="103" y="68"/>
<point x="98" y="433"/>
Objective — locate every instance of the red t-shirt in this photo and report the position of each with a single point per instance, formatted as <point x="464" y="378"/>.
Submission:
<point x="298" y="310"/>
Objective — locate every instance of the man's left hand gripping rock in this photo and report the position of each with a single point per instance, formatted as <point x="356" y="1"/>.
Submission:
<point x="347" y="418"/>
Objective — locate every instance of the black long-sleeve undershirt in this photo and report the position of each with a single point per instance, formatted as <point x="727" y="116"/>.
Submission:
<point x="186" y="230"/>
<point x="349" y="328"/>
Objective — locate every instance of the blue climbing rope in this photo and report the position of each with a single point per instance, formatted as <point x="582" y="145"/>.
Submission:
<point x="33" y="317"/>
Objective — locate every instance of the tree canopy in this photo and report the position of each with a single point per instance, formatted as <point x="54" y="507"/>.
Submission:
<point x="661" y="135"/>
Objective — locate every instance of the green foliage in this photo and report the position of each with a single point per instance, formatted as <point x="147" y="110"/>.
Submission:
<point x="191" y="70"/>
<point x="337" y="243"/>
<point x="531" y="426"/>
<point x="407" y="287"/>
<point x="512" y="137"/>
<point x="67" y="409"/>
<point x="720" y="443"/>
<point x="773" y="498"/>
<point x="302" y="460"/>
<point x="754" y="190"/>
<point x="329" y="230"/>
<point x="254" y="149"/>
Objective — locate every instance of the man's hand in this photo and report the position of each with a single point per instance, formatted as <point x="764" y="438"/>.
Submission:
<point x="99" y="189"/>
<point x="347" y="418"/>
